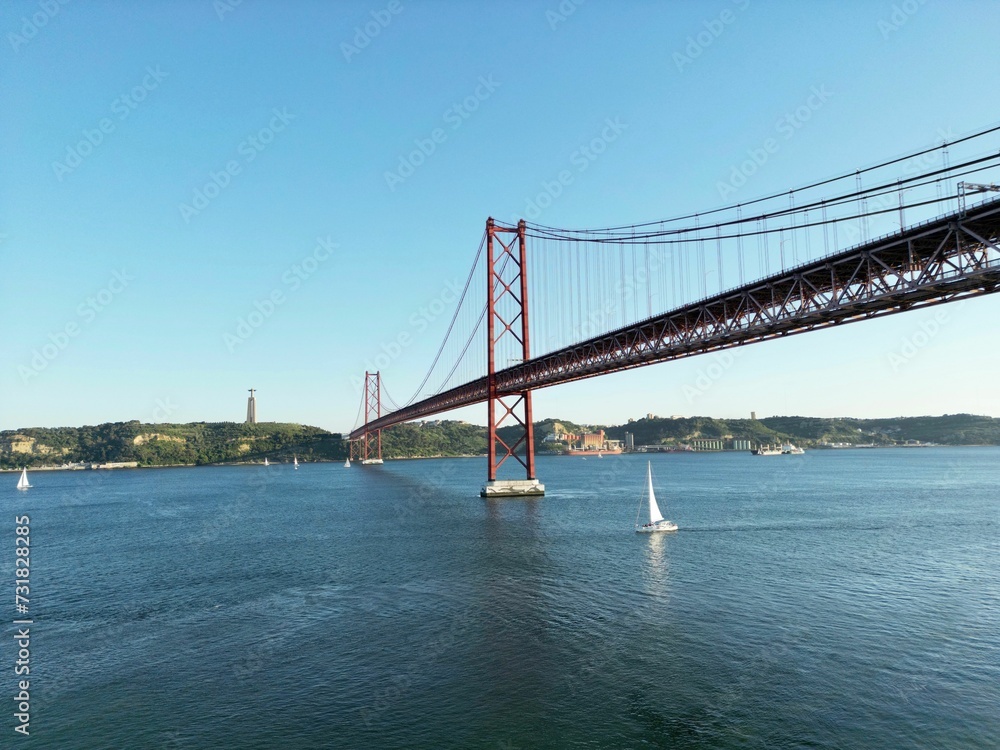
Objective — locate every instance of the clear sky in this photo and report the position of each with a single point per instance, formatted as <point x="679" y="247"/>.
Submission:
<point x="168" y="166"/>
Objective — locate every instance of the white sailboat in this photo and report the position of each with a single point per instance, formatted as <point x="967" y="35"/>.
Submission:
<point x="347" y="463"/>
<point x="265" y="461"/>
<point x="22" y="483"/>
<point x="656" y="520"/>
<point x="295" y="460"/>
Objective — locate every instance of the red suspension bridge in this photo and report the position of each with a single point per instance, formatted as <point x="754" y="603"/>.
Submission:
<point x="919" y="230"/>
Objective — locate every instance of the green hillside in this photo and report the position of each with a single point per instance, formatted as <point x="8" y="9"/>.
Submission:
<point x="232" y="442"/>
<point x="434" y="438"/>
<point x="951" y="429"/>
<point x="167" y="444"/>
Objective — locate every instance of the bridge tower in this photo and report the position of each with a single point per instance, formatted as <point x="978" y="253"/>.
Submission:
<point x="370" y="444"/>
<point x="507" y="319"/>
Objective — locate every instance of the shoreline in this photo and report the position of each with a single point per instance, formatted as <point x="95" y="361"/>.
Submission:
<point x="434" y="458"/>
<point x="167" y="466"/>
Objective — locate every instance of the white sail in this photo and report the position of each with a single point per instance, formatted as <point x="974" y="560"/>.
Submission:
<point x="265" y="461"/>
<point x="22" y="483"/>
<point x="347" y="464"/>
<point x="295" y="460"/>
<point x="654" y="509"/>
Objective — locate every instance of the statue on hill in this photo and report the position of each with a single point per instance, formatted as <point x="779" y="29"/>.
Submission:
<point x="252" y="408"/>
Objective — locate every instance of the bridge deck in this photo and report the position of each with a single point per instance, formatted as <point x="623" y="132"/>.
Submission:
<point x="944" y="259"/>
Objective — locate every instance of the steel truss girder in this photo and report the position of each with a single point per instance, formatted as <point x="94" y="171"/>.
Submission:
<point x="942" y="260"/>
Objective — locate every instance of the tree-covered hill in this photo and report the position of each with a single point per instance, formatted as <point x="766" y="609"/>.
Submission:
<point x="232" y="442"/>
<point x="434" y="438"/>
<point x="167" y="444"/>
<point x="676" y="432"/>
<point x="950" y="429"/>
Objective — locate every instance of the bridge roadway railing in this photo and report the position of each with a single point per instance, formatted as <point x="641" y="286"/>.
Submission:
<point x="942" y="260"/>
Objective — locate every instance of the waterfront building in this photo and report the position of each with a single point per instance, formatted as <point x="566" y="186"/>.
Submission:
<point x="707" y="444"/>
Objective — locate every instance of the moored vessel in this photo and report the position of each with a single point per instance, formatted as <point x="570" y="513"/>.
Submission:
<point x="767" y="451"/>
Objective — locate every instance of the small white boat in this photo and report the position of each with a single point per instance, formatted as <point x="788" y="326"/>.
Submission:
<point x="656" y="520"/>
<point x="22" y="483"/>
<point x="295" y="460"/>
<point x="372" y="462"/>
<point x="347" y="463"/>
<point x="265" y="461"/>
<point x="600" y="455"/>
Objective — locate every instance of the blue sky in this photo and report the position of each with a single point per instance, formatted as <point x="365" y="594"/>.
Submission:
<point x="168" y="167"/>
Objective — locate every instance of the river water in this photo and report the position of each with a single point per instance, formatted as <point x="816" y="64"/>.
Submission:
<point x="839" y="599"/>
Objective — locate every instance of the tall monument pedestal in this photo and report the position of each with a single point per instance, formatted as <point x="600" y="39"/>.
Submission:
<point x="513" y="488"/>
<point x="252" y="408"/>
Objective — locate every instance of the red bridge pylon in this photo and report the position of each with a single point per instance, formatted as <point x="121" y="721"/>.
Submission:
<point x="369" y="447"/>
<point x="507" y="318"/>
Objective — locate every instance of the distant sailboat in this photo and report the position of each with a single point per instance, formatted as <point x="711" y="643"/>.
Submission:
<point x="347" y="463"/>
<point x="22" y="483"/>
<point x="295" y="460"/>
<point x="265" y="461"/>
<point x="656" y="520"/>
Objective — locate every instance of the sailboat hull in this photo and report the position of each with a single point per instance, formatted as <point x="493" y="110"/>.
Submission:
<point x="658" y="526"/>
